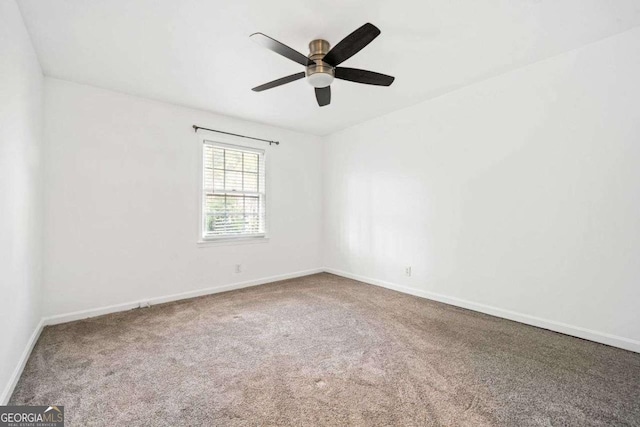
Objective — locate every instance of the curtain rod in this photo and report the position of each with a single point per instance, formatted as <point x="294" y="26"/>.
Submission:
<point x="195" y="128"/>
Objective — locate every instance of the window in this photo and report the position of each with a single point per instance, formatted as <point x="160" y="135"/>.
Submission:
<point x="233" y="199"/>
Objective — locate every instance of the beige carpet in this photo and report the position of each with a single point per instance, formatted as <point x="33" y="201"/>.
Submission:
<point x="323" y="350"/>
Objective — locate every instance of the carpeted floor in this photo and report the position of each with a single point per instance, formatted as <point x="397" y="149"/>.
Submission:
<point x="323" y="350"/>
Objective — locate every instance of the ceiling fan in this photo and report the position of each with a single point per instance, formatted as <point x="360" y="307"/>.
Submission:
<point x="322" y="63"/>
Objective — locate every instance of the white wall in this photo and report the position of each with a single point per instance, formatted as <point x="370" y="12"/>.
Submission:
<point x="20" y="191"/>
<point x="519" y="195"/>
<point x="122" y="201"/>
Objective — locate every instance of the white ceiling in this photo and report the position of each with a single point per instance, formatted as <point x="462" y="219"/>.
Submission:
<point x="198" y="53"/>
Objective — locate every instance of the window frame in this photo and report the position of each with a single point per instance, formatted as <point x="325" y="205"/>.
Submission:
<point x="203" y="238"/>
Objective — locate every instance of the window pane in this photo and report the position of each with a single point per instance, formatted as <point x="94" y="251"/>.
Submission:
<point x="208" y="156"/>
<point x="233" y="160"/>
<point x="208" y="180"/>
<point x="250" y="162"/>
<point x="218" y="158"/>
<point x="218" y="179"/>
<point x="251" y="182"/>
<point x="233" y="180"/>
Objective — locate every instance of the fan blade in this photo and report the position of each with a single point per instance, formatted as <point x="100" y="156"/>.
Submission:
<point x="279" y="82"/>
<point x="363" y="76"/>
<point x="323" y="95"/>
<point x="351" y="44"/>
<point x="282" y="49"/>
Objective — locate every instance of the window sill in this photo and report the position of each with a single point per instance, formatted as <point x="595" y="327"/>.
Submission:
<point x="202" y="243"/>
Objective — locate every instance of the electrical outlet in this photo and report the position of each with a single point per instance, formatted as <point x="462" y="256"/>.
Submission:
<point x="238" y="268"/>
<point x="407" y="271"/>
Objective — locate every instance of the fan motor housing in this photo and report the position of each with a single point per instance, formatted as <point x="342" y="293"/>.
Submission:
<point x="319" y="74"/>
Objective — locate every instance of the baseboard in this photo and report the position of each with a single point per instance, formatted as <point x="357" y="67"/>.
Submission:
<point x="563" y="328"/>
<point x="17" y="372"/>
<point x="84" y="314"/>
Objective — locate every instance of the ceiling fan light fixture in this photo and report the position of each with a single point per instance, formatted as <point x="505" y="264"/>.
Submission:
<point x="320" y="79"/>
